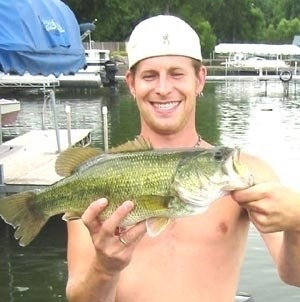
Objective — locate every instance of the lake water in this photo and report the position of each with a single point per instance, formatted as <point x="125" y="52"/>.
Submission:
<point x="234" y="113"/>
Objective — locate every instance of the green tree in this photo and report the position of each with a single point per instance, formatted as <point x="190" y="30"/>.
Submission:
<point x="274" y="21"/>
<point x="237" y="21"/>
<point x="82" y="11"/>
<point x="271" y="34"/>
<point x="284" y="32"/>
<point x="287" y="29"/>
<point x="271" y="9"/>
<point x="290" y="8"/>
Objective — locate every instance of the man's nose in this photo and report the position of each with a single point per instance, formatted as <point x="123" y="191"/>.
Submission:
<point x="164" y="86"/>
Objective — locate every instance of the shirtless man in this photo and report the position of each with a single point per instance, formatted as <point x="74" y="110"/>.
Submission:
<point x="196" y="258"/>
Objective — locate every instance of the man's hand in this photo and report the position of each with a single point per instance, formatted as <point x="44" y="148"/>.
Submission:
<point x="114" y="246"/>
<point x="272" y="207"/>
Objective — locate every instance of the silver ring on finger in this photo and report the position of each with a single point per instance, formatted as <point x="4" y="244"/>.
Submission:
<point x="123" y="241"/>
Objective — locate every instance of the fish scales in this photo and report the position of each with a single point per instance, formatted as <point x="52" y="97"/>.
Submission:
<point x="118" y="178"/>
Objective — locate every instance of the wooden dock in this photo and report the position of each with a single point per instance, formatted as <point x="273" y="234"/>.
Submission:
<point x="28" y="161"/>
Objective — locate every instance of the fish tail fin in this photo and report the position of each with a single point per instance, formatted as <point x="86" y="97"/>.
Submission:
<point x="20" y="211"/>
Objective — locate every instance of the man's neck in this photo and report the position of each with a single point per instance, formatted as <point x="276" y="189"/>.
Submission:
<point x="177" y="140"/>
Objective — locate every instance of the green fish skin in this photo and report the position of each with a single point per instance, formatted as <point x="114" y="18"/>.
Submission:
<point x="163" y="184"/>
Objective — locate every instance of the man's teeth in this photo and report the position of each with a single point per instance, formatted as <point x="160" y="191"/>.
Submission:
<point x="165" y="106"/>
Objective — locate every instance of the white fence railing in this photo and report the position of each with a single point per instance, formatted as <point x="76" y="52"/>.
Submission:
<point x="112" y="46"/>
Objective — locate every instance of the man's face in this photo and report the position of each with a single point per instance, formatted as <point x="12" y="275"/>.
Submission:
<point x="165" y="89"/>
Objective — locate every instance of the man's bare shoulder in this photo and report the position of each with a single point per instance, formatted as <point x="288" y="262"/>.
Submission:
<point x="260" y="169"/>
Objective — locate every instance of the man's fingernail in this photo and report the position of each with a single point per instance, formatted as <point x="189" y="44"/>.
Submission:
<point x="128" y="205"/>
<point x="102" y="202"/>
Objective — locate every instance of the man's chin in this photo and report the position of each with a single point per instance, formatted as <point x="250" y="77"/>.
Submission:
<point x="166" y="130"/>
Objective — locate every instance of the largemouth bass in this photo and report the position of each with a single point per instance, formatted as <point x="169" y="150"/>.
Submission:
<point x="163" y="184"/>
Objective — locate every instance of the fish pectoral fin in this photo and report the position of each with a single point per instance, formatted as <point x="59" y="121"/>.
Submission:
<point x="156" y="225"/>
<point x="69" y="216"/>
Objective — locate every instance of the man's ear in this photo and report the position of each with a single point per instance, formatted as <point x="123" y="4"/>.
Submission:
<point x="201" y="79"/>
<point x="130" y="82"/>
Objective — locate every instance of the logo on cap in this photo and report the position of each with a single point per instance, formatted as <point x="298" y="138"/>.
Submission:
<point x="166" y="39"/>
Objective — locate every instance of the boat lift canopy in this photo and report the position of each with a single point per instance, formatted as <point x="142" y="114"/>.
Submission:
<point x="258" y="49"/>
<point x="40" y="37"/>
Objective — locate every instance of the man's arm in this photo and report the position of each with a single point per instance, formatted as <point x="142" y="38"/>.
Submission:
<point x="288" y="256"/>
<point x="95" y="254"/>
<point x="275" y="211"/>
<point x="86" y="281"/>
<point x="289" y="260"/>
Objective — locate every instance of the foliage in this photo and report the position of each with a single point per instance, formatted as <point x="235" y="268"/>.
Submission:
<point x="287" y="29"/>
<point x="252" y="21"/>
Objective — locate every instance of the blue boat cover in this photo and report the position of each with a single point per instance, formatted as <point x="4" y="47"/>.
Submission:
<point x="39" y="37"/>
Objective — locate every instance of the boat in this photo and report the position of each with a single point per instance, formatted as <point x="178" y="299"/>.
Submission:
<point x="99" y="71"/>
<point x="254" y="63"/>
<point x="95" y="60"/>
<point x="9" y="110"/>
<point x="241" y="60"/>
<point x="90" y="74"/>
<point x="261" y="63"/>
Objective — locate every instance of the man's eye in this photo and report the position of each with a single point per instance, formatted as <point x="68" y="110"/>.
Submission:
<point x="178" y="74"/>
<point x="148" y="77"/>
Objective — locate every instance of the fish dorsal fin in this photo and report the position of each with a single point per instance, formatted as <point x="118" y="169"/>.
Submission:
<point x="156" y="225"/>
<point x="69" y="160"/>
<point x="138" y="144"/>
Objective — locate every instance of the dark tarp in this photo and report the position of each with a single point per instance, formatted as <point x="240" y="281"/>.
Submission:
<point x="39" y="37"/>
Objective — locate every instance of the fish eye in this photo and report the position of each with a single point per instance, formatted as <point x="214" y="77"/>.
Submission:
<point x="218" y="155"/>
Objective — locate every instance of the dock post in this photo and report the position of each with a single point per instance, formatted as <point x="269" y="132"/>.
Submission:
<point x="1" y="138"/>
<point x="266" y="87"/>
<point x="285" y="77"/>
<point x="46" y="98"/>
<point x="52" y="97"/>
<point x="68" y="113"/>
<point x="1" y="174"/>
<point x="105" y="128"/>
<point x="285" y="89"/>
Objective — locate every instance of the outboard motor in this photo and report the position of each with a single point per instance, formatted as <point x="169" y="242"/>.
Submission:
<point x="108" y="76"/>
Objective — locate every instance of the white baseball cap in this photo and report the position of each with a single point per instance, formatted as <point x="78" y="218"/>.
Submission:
<point x="163" y="35"/>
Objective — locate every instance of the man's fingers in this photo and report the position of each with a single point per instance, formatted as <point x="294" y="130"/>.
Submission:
<point x="117" y="217"/>
<point x="133" y="235"/>
<point x="256" y="192"/>
<point x="90" y="216"/>
<point x="110" y="228"/>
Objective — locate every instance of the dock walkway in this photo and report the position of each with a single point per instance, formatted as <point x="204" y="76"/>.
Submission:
<point x="28" y="160"/>
<point x="28" y="81"/>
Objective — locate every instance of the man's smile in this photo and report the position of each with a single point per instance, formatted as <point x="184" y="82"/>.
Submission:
<point x="165" y="106"/>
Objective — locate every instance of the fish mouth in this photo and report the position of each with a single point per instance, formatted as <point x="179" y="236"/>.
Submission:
<point x="165" y="106"/>
<point x="238" y="167"/>
<point x="236" y="154"/>
<point x="237" y="171"/>
<point x="232" y="164"/>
